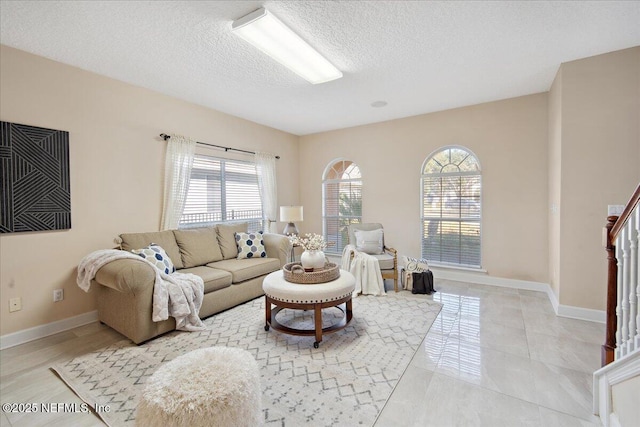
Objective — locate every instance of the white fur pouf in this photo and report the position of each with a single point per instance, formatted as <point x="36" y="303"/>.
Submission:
<point x="216" y="386"/>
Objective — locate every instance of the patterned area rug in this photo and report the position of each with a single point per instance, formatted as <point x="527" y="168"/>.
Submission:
<point x="344" y="382"/>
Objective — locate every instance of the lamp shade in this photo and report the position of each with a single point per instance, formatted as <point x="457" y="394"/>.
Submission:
<point x="291" y="213"/>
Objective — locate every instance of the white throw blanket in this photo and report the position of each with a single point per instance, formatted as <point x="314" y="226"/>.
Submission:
<point x="177" y="295"/>
<point x="365" y="269"/>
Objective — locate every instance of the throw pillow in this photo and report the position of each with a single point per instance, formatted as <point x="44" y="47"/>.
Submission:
<point x="250" y="245"/>
<point x="157" y="256"/>
<point x="369" y="242"/>
<point x="414" y="265"/>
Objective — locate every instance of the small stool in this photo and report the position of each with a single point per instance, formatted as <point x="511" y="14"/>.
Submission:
<point x="216" y="386"/>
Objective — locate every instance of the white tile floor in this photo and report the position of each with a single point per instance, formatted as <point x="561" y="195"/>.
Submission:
<point x="494" y="357"/>
<point x="498" y="357"/>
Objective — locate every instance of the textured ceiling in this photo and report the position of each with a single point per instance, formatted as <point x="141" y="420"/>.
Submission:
<point x="418" y="56"/>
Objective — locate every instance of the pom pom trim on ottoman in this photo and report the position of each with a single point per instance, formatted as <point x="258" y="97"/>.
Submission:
<point x="216" y="386"/>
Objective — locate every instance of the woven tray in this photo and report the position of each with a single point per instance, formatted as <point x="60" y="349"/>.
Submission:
<point x="294" y="273"/>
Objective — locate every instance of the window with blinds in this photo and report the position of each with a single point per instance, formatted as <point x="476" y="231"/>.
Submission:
<point x="451" y="208"/>
<point x="341" y="203"/>
<point x="222" y="190"/>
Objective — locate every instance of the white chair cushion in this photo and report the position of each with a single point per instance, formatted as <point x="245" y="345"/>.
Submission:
<point x="385" y="261"/>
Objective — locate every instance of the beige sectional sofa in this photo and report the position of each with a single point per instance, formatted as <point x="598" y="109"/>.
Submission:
<point x="125" y="288"/>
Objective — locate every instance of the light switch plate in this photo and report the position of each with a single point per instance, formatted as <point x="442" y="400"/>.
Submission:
<point x="15" y="304"/>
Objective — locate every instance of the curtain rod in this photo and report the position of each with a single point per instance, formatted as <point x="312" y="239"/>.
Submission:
<point x="165" y="137"/>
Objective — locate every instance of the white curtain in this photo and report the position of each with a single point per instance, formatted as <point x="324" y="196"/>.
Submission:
<point x="177" y="173"/>
<point x="266" y="169"/>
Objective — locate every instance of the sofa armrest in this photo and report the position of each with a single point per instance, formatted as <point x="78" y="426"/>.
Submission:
<point x="277" y="246"/>
<point x="127" y="275"/>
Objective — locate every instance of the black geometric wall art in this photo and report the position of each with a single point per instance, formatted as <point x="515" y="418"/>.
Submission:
<point x="34" y="169"/>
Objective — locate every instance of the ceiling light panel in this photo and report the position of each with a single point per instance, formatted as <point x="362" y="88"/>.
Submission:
<point x="272" y="37"/>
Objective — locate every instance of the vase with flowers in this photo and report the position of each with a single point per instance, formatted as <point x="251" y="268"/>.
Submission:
<point x="313" y="245"/>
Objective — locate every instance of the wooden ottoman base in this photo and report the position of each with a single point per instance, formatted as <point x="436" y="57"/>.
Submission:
<point x="318" y="331"/>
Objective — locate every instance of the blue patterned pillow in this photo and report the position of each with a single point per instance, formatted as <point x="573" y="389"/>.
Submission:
<point x="250" y="245"/>
<point x="157" y="256"/>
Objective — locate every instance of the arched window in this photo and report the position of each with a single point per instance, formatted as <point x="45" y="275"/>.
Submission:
<point x="451" y="207"/>
<point x="341" y="202"/>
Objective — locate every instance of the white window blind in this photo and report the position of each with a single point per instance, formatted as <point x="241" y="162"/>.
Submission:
<point x="222" y="190"/>
<point x="451" y="208"/>
<point x="341" y="203"/>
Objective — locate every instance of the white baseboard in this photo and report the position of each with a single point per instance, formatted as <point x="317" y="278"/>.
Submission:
<point x="485" y="279"/>
<point x="599" y="316"/>
<point x="41" y="331"/>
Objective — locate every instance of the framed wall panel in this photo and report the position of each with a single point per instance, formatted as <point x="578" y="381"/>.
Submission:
<point x="34" y="170"/>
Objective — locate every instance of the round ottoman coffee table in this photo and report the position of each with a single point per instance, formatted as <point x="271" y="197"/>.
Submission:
<point x="283" y="294"/>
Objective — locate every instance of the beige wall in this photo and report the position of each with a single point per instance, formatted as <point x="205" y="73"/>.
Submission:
<point x="510" y="139"/>
<point x="599" y="163"/>
<point x="577" y="147"/>
<point x="117" y="168"/>
<point x="555" y="163"/>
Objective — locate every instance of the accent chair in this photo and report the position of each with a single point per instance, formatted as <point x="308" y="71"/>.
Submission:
<point x="365" y="239"/>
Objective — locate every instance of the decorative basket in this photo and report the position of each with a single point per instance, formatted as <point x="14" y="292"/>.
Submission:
<point x="294" y="273"/>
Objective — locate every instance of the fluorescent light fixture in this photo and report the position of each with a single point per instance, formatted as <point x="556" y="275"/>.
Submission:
<point x="267" y="33"/>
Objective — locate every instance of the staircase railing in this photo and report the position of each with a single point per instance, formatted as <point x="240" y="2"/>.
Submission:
<point x="623" y="282"/>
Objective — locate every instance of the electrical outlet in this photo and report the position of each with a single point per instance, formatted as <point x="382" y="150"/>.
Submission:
<point x="615" y="210"/>
<point x="58" y="295"/>
<point x="15" y="304"/>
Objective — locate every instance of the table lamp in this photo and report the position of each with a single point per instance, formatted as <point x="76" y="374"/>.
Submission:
<point x="290" y="214"/>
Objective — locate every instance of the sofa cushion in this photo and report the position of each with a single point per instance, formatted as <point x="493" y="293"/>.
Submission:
<point x="213" y="279"/>
<point x="250" y="245"/>
<point x="198" y="246"/>
<point x="156" y="256"/>
<point x="227" y="238"/>
<point x="165" y="239"/>
<point x="245" y="269"/>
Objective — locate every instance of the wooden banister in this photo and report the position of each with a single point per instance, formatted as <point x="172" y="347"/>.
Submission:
<point x="611" y="231"/>
<point x="626" y="213"/>
<point x="609" y="346"/>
